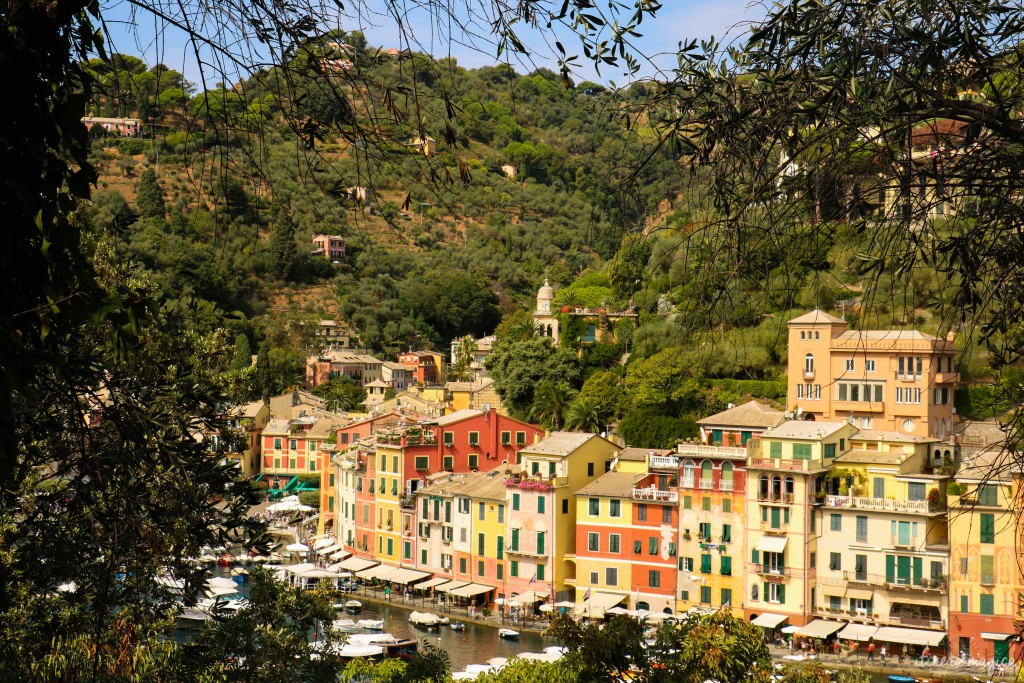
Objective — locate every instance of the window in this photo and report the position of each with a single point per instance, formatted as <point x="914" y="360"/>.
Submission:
<point x="705" y="594"/>
<point x="869" y="366"/>
<point x="474" y="461"/>
<point x="611" y="576"/>
<point x="277" y="443"/>
<point x="704" y="531"/>
<point x="705" y="503"/>
<point x="614" y="508"/>
<point x="686" y="564"/>
<point x="422" y="462"/>
<point x="988" y="528"/>
<point x="448" y="462"/>
<point x="835" y="561"/>
<point x="540" y="543"/>
<point x="705" y="563"/>
<point x="666" y="515"/>
<point x="726" y="569"/>
<point x="801" y="451"/>
<point x="593" y="542"/>
<point x="499" y="572"/>
<point x="513" y="568"/>
<point x="987" y="495"/>
<point x="963" y="566"/>
<point x="515" y="501"/>
<point x="809" y="364"/>
<point x="687" y="503"/>
<point x="987" y="605"/>
<point x="775" y="449"/>
<point x="292" y="446"/>
<point x="849" y="365"/>
<point x="860" y="565"/>
<point x="590" y="469"/>
<point x="775" y="592"/>
<point x="515" y="540"/>
<point x="463" y="504"/>
<point x="641" y="512"/>
<point x="462" y="565"/>
<point x="727" y="533"/>
<point x="988" y="570"/>
<point x="753" y="592"/>
<point x="474" y="438"/>
<point x="654" y="578"/>
<point x="652" y="545"/>
<point x="500" y="543"/>
<point x="614" y="543"/>
<point x="506" y="438"/>
<point x="940" y="396"/>
<point x="812" y="560"/>
<point x="726" y="504"/>
<point x="835" y="522"/>
<point x="540" y="572"/>
<point x="915" y="491"/>
<point x="449" y="438"/>
<point x="726" y="596"/>
<point x="520" y="438"/>
<point x="638" y="547"/>
<point x="862" y="528"/>
<point x="501" y="513"/>
<point x="540" y="504"/>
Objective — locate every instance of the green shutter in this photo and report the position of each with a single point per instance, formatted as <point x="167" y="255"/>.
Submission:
<point x="515" y="539"/>
<point x="775" y="449"/>
<point x="764" y="596"/>
<point x="917" y="571"/>
<point x="782" y="594"/>
<point x="501" y="547"/>
<point x="890" y="569"/>
<point x="755" y="557"/>
<point x="726" y="565"/>
<point x="540" y="542"/>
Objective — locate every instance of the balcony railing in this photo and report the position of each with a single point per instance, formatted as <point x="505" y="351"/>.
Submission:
<point x="724" y="485"/>
<point x="704" y="451"/>
<point x="669" y="462"/>
<point x="655" y="494"/>
<point x="707" y="483"/>
<point x="775" y="498"/>
<point x="924" y="622"/>
<point x="779" y="528"/>
<point x="530" y="551"/>
<point x="785" y="465"/>
<point x="768" y="570"/>
<point x="897" y="542"/>
<point x="882" y="504"/>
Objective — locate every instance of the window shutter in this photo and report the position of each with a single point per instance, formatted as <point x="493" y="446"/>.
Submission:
<point x="755" y="557"/>
<point x="726" y="566"/>
<point x="890" y="568"/>
<point x="782" y="593"/>
<point x="764" y="596"/>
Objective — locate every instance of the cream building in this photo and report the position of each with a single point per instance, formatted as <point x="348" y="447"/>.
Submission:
<point x="893" y="380"/>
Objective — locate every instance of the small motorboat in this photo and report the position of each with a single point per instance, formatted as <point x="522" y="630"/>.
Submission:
<point x="346" y="625"/>
<point x="371" y="624"/>
<point x="458" y="626"/>
<point x="900" y="679"/>
<point x="508" y="634"/>
<point x="424" y="620"/>
<point x="353" y="606"/>
<point x="372" y="652"/>
<point x="443" y="620"/>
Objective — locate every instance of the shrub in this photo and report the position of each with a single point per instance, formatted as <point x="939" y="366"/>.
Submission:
<point x="310" y="498"/>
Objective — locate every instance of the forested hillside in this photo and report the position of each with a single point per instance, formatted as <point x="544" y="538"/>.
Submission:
<point x="533" y="177"/>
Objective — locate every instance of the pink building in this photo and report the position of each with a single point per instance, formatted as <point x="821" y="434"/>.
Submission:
<point x="121" y="126"/>
<point x="331" y="247"/>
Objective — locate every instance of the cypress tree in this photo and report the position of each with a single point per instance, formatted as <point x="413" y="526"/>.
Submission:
<point x="150" y="198"/>
<point x="241" y="356"/>
<point x="282" y="242"/>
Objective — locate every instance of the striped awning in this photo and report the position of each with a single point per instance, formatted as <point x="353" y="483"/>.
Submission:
<point x="909" y="636"/>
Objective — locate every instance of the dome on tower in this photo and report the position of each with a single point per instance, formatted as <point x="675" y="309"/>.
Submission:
<point x="546" y="292"/>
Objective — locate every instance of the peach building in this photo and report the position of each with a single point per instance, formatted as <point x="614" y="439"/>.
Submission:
<point x="889" y="380"/>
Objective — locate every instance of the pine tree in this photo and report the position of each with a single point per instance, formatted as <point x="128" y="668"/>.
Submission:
<point x="150" y="198"/>
<point x="282" y="242"/>
<point x="241" y="356"/>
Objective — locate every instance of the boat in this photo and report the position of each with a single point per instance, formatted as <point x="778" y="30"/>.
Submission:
<point x="458" y="626"/>
<point x="443" y="620"/>
<point x="424" y="620"/>
<point x="508" y="634"/>
<point x="353" y="606"/>
<point x="900" y="679"/>
<point x="372" y="652"/>
<point x="371" y="624"/>
<point x="346" y="625"/>
<point x="401" y="648"/>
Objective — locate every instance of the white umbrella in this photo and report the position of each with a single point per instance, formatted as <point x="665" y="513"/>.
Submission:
<point x="297" y="548"/>
<point x="790" y="629"/>
<point x="617" y="610"/>
<point x="546" y="608"/>
<point x="218" y="591"/>
<point x="513" y="604"/>
<point x="221" y="582"/>
<point x="565" y="603"/>
<point x="304" y="508"/>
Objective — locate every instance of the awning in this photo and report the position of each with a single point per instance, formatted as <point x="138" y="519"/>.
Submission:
<point x="909" y="636"/>
<point x="449" y="587"/>
<point x="860" y="593"/>
<point x="299" y="568"/>
<point x="861" y="632"/>
<point x="433" y="582"/>
<point x="356" y="564"/>
<point x="328" y="548"/>
<point x="404" y="576"/>
<point x="381" y="573"/>
<point x="769" y="619"/>
<point x="340" y="555"/>
<point x="529" y="597"/>
<point x="819" y="628"/>
<point x="598" y="603"/>
<point x="1000" y="637"/>
<point x="323" y="543"/>
<point x="471" y="590"/>
<point x="771" y="544"/>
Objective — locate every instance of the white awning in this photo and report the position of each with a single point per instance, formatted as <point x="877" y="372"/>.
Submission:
<point x="404" y="576"/>
<point x="322" y="543"/>
<point x="1000" y="637"/>
<point x="529" y="597"/>
<point x="819" y="628"/>
<point x="771" y="544"/>
<point x="909" y="636"/>
<point x="340" y="555"/>
<point x="860" y="632"/>
<point x="769" y="619"/>
<point x="355" y="564"/>
<point x="381" y="572"/>
<point x="299" y="568"/>
<point x="433" y="582"/>
<point x="327" y="549"/>
<point x="452" y="585"/>
<point x="598" y="603"/>
<point x="471" y="590"/>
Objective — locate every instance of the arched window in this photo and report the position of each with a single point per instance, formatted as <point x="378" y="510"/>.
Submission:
<point x="809" y="364"/>
<point x="762" y="491"/>
<point x="790" y="489"/>
<point x="688" y="470"/>
<point x="753" y="593"/>
<point x="776" y="487"/>
<point x="726" y="484"/>
<point x="705" y="474"/>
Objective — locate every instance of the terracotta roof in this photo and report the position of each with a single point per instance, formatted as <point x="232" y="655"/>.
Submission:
<point x="458" y="416"/>
<point x="749" y="414"/>
<point x="887" y="335"/>
<point x="562" y="443"/>
<point x="816" y="317"/>
<point x="857" y="455"/>
<point x="804" y="429"/>
<point x="611" y="484"/>
<point x="946" y="130"/>
<point x="488" y="485"/>
<point x="640" y="454"/>
<point x="891" y="437"/>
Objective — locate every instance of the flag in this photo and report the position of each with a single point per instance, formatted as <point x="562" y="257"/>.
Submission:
<point x="586" y="596"/>
<point x="534" y="579"/>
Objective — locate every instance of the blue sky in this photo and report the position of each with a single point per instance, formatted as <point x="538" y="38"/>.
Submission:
<point x="678" y="20"/>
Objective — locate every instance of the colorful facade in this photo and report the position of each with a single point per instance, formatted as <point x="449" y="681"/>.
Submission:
<point x="248" y="421"/>
<point x="292" y="447"/>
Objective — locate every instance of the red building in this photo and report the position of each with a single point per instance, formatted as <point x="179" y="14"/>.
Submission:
<point x="427" y="366"/>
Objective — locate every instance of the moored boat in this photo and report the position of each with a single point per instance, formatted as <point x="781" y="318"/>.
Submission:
<point x="424" y="620"/>
<point x="508" y="634"/>
<point x="353" y="606"/>
<point x="458" y="626"/>
<point x="371" y="624"/>
<point x="900" y="679"/>
<point x="346" y="626"/>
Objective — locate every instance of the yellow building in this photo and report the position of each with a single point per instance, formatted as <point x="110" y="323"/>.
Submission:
<point x="882" y="552"/>
<point x="986" y="611"/>
<point x="248" y="421"/>
<point x="388" y="488"/>
<point x="542" y="510"/>
<point x="892" y="380"/>
<point x="604" y="542"/>
<point x="476" y="394"/>
<point x="780" y="524"/>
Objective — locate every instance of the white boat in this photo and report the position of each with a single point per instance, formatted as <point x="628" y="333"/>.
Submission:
<point x="458" y="626"/>
<point x="508" y="634"/>
<point x="353" y="606"/>
<point x="424" y="619"/>
<point x="371" y="624"/>
<point x="349" y="652"/>
<point x="442" y="619"/>
<point x="345" y="625"/>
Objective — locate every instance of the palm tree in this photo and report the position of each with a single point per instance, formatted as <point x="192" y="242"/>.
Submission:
<point x="585" y="415"/>
<point x="551" y="402"/>
<point x="523" y="331"/>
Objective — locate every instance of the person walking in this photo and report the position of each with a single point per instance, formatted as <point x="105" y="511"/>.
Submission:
<point x="387" y="593"/>
<point x="883" y="652"/>
<point x="871" y="652"/>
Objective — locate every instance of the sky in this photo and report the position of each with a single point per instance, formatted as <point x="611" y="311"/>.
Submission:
<point x="133" y="32"/>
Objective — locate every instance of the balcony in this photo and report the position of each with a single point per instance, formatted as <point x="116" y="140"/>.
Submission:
<point x="702" y="451"/>
<point x="947" y="378"/>
<point x="664" y="462"/>
<point x="707" y="484"/>
<point x="785" y="465"/>
<point x="656" y="495"/>
<point x="725" y="486"/>
<point x="780" y="528"/>
<point x="903" y="543"/>
<point x="769" y="571"/>
<point x="808" y="373"/>
<point x="918" y="622"/>
<point x="527" y="551"/>
<point x="881" y="504"/>
<point x="785" y="498"/>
